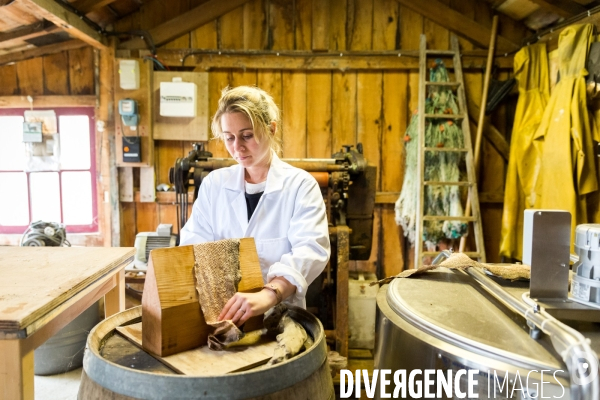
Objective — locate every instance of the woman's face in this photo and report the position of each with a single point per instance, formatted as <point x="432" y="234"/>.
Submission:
<point x="241" y="143"/>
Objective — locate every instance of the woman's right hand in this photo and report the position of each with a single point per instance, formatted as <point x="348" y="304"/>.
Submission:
<point x="243" y="306"/>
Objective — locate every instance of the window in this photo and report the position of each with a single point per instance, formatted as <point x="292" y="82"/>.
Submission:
<point x="67" y="195"/>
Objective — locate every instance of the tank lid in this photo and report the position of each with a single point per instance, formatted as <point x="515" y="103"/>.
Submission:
<point x="454" y="308"/>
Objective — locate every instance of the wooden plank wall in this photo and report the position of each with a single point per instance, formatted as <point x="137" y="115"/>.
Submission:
<point x="322" y="110"/>
<point x="67" y="73"/>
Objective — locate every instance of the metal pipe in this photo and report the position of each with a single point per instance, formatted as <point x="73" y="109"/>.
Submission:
<point x="440" y="257"/>
<point x="569" y="343"/>
<point x="309" y="165"/>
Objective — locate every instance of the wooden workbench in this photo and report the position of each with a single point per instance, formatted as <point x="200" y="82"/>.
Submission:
<point x="42" y="289"/>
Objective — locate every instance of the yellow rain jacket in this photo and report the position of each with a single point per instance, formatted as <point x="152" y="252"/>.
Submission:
<point x="531" y="73"/>
<point x="568" y="169"/>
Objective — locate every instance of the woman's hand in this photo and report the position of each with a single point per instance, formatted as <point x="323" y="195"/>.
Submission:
<point x="243" y="306"/>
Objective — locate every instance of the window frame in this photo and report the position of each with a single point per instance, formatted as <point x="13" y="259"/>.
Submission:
<point x="88" y="111"/>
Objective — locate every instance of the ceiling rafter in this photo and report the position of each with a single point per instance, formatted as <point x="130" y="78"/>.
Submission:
<point x="27" y="31"/>
<point x="67" y="20"/>
<point x="184" y="23"/>
<point x="87" y="6"/>
<point x="456" y="22"/>
<point x="564" y="8"/>
<point x="41" y="51"/>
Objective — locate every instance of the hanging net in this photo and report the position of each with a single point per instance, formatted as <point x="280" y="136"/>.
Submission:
<point x="440" y="166"/>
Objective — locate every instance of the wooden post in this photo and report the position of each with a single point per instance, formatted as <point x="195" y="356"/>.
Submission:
<point x="16" y="370"/>
<point x="341" y="309"/>
<point x="476" y="150"/>
<point x="114" y="301"/>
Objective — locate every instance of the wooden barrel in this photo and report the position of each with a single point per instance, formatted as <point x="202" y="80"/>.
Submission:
<point x="305" y="376"/>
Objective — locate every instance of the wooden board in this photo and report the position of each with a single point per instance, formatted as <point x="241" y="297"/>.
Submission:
<point x="172" y="319"/>
<point x="181" y="128"/>
<point x="294" y="111"/>
<point x="255" y="25"/>
<point x="202" y="361"/>
<point x="36" y="280"/>
<point x="318" y="111"/>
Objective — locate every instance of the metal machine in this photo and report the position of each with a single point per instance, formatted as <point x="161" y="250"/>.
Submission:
<point x="521" y="347"/>
<point x="348" y="186"/>
<point x="145" y="242"/>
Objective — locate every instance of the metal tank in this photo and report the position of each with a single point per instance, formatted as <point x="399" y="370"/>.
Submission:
<point x="444" y="320"/>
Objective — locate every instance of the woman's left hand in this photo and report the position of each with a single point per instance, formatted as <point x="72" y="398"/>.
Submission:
<point x="243" y="306"/>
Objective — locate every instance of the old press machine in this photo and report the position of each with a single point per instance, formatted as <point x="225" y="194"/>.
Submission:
<point x="347" y="183"/>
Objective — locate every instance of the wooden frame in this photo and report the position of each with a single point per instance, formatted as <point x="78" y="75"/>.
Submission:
<point x="203" y="60"/>
<point x="47" y="101"/>
<point x="70" y="22"/>
<point x="185" y="23"/>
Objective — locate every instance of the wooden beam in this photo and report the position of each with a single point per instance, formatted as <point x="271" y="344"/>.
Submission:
<point x="456" y="22"/>
<point x="87" y="6"/>
<point x="401" y="60"/>
<point x="65" y="19"/>
<point x="185" y="23"/>
<point x="564" y="8"/>
<point x="27" y="31"/>
<point x="491" y="197"/>
<point x="41" y="51"/>
<point x="386" y="197"/>
<point x="18" y="43"/>
<point x="47" y="101"/>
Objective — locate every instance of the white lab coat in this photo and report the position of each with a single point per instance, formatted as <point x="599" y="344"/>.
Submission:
<point x="289" y="224"/>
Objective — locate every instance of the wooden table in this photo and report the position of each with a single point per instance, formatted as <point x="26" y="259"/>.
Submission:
<point x="42" y="289"/>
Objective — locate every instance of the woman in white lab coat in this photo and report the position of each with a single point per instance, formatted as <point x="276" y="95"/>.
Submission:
<point x="280" y="206"/>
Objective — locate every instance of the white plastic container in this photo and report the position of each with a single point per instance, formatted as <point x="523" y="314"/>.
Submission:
<point x="362" y="310"/>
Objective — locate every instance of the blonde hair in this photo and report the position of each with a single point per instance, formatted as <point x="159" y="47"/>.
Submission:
<point x="254" y="103"/>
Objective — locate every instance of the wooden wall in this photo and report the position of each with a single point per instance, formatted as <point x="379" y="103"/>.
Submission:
<point x="66" y="73"/>
<point x="323" y="110"/>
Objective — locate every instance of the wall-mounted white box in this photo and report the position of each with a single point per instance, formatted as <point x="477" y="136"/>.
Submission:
<point x="190" y="128"/>
<point x="178" y="99"/>
<point x="129" y="74"/>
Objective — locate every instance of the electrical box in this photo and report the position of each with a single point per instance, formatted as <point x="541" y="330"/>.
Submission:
<point x="128" y="112"/>
<point x="32" y="132"/>
<point x="129" y="74"/>
<point x="132" y="149"/>
<point x="178" y="99"/>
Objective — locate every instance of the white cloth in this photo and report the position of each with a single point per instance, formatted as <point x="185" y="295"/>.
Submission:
<point x="253" y="188"/>
<point x="289" y="224"/>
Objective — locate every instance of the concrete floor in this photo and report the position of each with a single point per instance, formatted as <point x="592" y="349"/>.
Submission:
<point x="58" y="387"/>
<point x="65" y="386"/>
